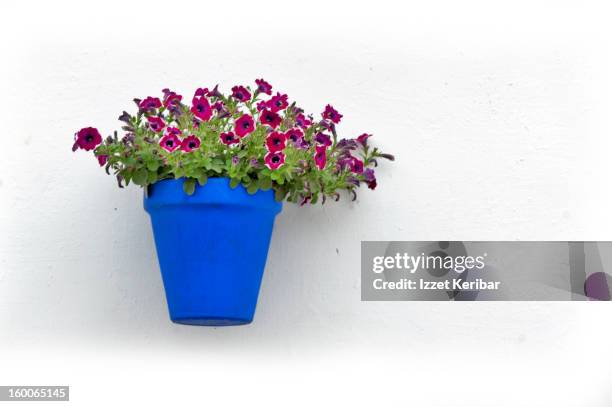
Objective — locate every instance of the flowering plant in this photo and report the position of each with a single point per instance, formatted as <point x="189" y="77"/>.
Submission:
<point x="252" y="137"/>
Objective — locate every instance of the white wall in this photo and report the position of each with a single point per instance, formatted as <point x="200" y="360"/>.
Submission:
<point x="500" y="119"/>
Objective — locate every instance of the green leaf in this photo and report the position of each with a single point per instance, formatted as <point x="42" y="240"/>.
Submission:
<point x="234" y="183"/>
<point x="189" y="186"/>
<point x="179" y="173"/>
<point x="280" y="194"/>
<point x="152" y="165"/>
<point x="252" y="188"/>
<point x="265" y="184"/>
<point x="152" y="178"/>
<point x="140" y="177"/>
<point x="202" y="179"/>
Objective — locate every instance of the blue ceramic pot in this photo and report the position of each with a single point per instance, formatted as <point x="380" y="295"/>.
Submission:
<point x="212" y="248"/>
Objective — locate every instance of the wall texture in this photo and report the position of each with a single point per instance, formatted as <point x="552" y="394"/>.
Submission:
<point x="499" y="118"/>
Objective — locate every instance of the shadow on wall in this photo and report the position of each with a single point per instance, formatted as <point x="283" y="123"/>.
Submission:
<point x="88" y="270"/>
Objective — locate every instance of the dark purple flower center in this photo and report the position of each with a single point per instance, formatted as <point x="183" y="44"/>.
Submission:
<point x="169" y="143"/>
<point x="192" y="144"/>
<point x="275" y="159"/>
<point x="276" y="141"/>
<point x="89" y="138"/>
<point x="246" y="125"/>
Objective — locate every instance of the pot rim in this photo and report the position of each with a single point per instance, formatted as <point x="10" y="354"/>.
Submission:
<point x="216" y="191"/>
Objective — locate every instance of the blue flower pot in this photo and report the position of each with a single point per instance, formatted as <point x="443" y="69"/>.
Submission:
<point x="212" y="248"/>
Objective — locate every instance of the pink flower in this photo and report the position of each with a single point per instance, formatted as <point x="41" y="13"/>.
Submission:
<point x="156" y="124"/>
<point x="331" y="114"/>
<point x="320" y="157"/>
<point x="201" y="108"/>
<point x="263" y="86"/>
<point x="229" y="138"/>
<point x="274" y="160"/>
<point x="173" y="130"/>
<point x="218" y="106"/>
<point x="323" y="139"/>
<point x="261" y="105"/>
<point x="201" y="92"/>
<point x="87" y="139"/>
<point x="150" y="103"/>
<point x="295" y="135"/>
<point x="172" y="101"/>
<point x="356" y="165"/>
<point x="302" y="121"/>
<point x="190" y="143"/>
<point x="276" y="142"/>
<point x="170" y="142"/>
<point x="363" y="139"/>
<point x="270" y="118"/>
<point x="241" y="93"/>
<point x="244" y="125"/>
<point x="369" y="178"/>
<point x="278" y="102"/>
<point x="102" y="160"/>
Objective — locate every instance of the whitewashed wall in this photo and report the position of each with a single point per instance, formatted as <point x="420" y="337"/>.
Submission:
<point x="500" y="120"/>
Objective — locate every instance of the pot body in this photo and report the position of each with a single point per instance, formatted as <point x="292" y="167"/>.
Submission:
<point x="212" y="248"/>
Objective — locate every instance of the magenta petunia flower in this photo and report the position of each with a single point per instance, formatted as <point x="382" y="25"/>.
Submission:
<point x="170" y="142"/>
<point x="172" y="100"/>
<point x="244" y="125"/>
<point x="173" y="130"/>
<point x="218" y="106"/>
<point x="201" y="108"/>
<point x="363" y="139"/>
<point x="87" y="139"/>
<point x="278" y="102"/>
<point x="214" y="93"/>
<point x="156" y="124"/>
<point x="201" y="92"/>
<point x="190" y="143"/>
<point x="320" y="157"/>
<point x="241" y="93"/>
<point x="229" y="138"/>
<point x="302" y="121"/>
<point x="263" y="86"/>
<point x="261" y="105"/>
<point x="331" y="114"/>
<point x="102" y="160"/>
<point x="274" y="160"/>
<point x="296" y="136"/>
<point x="323" y="139"/>
<point x="356" y="165"/>
<point x="276" y="141"/>
<point x="270" y="118"/>
<point x="369" y="178"/>
<point x="150" y="103"/>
